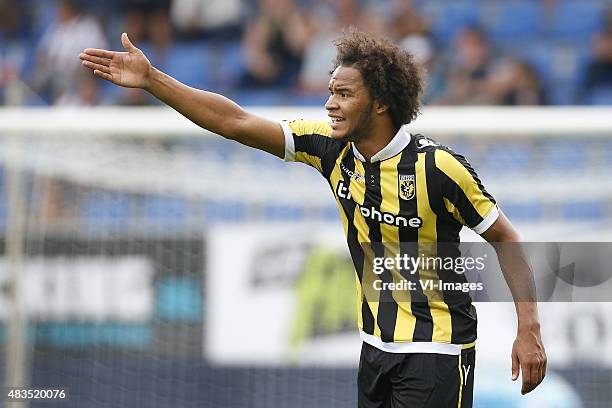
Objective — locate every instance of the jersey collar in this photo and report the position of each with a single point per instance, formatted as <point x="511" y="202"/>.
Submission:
<point x="395" y="146"/>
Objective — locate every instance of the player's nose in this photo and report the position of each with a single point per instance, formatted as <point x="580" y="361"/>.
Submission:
<point x="331" y="103"/>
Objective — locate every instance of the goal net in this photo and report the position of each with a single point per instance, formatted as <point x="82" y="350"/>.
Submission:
<point x="146" y="262"/>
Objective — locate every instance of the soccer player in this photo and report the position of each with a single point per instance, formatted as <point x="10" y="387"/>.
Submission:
<point x="391" y="187"/>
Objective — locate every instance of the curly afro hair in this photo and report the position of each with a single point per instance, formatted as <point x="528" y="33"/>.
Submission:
<point x="390" y="74"/>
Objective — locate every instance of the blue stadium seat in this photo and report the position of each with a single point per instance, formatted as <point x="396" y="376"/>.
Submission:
<point x="558" y="153"/>
<point x="330" y="212"/>
<point x="608" y="154"/>
<point x="573" y="19"/>
<point x="19" y="52"/>
<point x="448" y="17"/>
<point x="523" y="211"/>
<point x="580" y="58"/>
<point x="190" y="63"/>
<point x="511" y="20"/>
<point x="261" y="97"/>
<point x="232" y="65"/>
<point x="3" y="209"/>
<point x="215" y="211"/>
<point x="558" y="63"/>
<point x="226" y="149"/>
<point x="46" y="14"/>
<point x="606" y="150"/>
<point x="507" y="158"/>
<point x="539" y="54"/>
<point x="584" y="210"/>
<point x="264" y="160"/>
<point x="466" y="149"/>
<point x="599" y="96"/>
<point x="283" y="212"/>
<point x="103" y="209"/>
<point x="217" y="149"/>
<point x="165" y="209"/>
<point x="303" y="99"/>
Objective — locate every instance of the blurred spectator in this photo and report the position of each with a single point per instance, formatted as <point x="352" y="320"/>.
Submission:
<point x="319" y="53"/>
<point x="273" y="44"/>
<point x="58" y="50"/>
<point x="346" y="11"/>
<point x="513" y="83"/>
<point x="598" y="75"/>
<point x="411" y="32"/>
<point x="85" y="92"/>
<point x="285" y="48"/>
<point x="53" y="203"/>
<point x="136" y="97"/>
<point x="14" y="21"/>
<point x="14" y="31"/>
<point x="149" y="21"/>
<point x="217" y="19"/>
<point x="466" y="68"/>
<point x="374" y="19"/>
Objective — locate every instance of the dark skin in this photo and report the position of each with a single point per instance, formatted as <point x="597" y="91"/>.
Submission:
<point x="528" y="354"/>
<point x="363" y="121"/>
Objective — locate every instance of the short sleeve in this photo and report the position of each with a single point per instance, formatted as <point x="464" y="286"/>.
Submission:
<point x="464" y="196"/>
<point x="307" y="141"/>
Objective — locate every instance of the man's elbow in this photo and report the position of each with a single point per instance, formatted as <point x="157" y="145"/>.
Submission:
<point x="237" y="128"/>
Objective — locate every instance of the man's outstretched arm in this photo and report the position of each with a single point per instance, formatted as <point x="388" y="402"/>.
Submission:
<point x="208" y="110"/>
<point x="528" y="350"/>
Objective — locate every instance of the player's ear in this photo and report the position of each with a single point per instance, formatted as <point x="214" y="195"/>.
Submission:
<point x="381" y="107"/>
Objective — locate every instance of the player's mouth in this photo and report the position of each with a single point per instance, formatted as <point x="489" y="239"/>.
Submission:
<point x="335" y="121"/>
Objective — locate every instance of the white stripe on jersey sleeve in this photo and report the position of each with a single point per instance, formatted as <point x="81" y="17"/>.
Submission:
<point x="289" y="143"/>
<point x="488" y="221"/>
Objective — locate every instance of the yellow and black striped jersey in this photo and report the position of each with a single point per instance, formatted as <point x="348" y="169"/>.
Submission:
<point x="413" y="191"/>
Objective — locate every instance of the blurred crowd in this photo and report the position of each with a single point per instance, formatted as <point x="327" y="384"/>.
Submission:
<point x="519" y="52"/>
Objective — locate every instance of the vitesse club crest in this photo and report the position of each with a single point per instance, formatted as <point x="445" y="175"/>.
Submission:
<point x="406" y="186"/>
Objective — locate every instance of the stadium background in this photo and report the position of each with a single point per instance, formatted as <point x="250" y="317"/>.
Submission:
<point x="134" y="248"/>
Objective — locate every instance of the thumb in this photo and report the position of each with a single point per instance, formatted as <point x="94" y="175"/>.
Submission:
<point x="127" y="44"/>
<point x="515" y="366"/>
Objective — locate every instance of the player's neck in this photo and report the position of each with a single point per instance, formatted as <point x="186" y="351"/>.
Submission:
<point x="382" y="132"/>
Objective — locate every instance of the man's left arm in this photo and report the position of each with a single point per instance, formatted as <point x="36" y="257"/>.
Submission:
<point x="528" y="350"/>
<point x="468" y="202"/>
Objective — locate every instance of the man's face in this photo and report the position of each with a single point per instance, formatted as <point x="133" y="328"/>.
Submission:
<point x="349" y="106"/>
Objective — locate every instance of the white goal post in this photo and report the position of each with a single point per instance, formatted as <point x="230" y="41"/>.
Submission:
<point x="162" y="121"/>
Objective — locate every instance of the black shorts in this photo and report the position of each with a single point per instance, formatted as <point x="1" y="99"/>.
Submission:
<point x="417" y="380"/>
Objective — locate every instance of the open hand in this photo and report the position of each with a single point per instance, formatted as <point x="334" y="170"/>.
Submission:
<point x="130" y="69"/>
<point x="528" y="354"/>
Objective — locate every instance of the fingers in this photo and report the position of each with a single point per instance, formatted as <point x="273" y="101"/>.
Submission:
<point x="541" y="370"/>
<point x="127" y="44"/>
<point x="99" y="61"/>
<point x="98" y="67"/>
<point x="533" y="374"/>
<point x="103" y="75"/>
<point x="530" y="374"/>
<point x="515" y="366"/>
<point x="96" y="52"/>
<point x="96" y="60"/>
